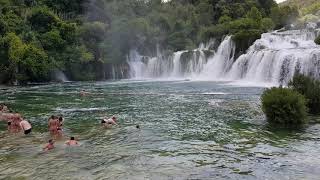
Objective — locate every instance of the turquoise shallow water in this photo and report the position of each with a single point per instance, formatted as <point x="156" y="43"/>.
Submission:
<point x="189" y="130"/>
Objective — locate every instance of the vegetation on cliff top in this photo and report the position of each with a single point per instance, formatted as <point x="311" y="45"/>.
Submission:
<point x="83" y="38"/>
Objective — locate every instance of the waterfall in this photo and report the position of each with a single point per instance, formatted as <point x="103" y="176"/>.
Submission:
<point x="220" y="63"/>
<point x="58" y="75"/>
<point x="273" y="59"/>
<point x="178" y="65"/>
<point x="277" y="56"/>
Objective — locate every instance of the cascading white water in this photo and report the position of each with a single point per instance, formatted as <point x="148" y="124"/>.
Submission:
<point x="273" y="59"/>
<point x="277" y="56"/>
<point x="177" y="69"/>
<point x="171" y="67"/>
<point x="220" y="63"/>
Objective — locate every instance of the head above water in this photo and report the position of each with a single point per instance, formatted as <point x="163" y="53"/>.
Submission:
<point x="60" y="118"/>
<point x="138" y="126"/>
<point x="71" y="138"/>
<point x="50" y="141"/>
<point x="114" y="118"/>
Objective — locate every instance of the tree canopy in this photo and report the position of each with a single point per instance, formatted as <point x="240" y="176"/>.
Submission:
<point x="84" y="37"/>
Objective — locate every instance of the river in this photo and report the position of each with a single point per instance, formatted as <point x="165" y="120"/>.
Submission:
<point x="189" y="130"/>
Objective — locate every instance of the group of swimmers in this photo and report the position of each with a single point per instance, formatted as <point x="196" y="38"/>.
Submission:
<point x="16" y="124"/>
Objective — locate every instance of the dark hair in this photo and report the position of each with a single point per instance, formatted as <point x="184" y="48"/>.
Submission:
<point x="52" y="117"/>
<point x="137" y="126"/>
<point x="60" y="119"/>
<point x="71" y="138"/>
<point x="9" y="123"/>
<point x="103" y="121"/>
<point x="50" y="141"/>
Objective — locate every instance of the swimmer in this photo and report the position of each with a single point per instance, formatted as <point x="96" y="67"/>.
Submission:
<point x="60" y="121"/>
<point x="4" y="108"/>
<point x="49" y="146"/>
<point x="83" y="93"/>
<point x="15" y="123"/>
<point x="25" y="126"/>
<point x="10" y="127"/>
<point x="53" y="125"/>
<point x="72" y="142"/>
<point x="138" y="126"/>
<point x="108" y="123"/>
<point x="8" y="116"/>
<point x="59" y="128"/>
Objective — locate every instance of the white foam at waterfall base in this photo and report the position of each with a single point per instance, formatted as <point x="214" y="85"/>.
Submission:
<point x="270" y="61"/>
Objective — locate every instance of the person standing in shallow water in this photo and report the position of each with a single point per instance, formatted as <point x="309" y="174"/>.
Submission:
<point x="15" y="123"/>
<point x="53" y="125"/>
<point x="59" y="128"/>
<point x="25" y="126"/>
<point x="11" y="128"/>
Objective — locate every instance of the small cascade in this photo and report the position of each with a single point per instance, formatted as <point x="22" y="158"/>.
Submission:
<point x="58" y="75"/>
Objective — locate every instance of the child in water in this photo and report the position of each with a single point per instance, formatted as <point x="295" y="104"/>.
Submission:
<point x="49" y="146"/>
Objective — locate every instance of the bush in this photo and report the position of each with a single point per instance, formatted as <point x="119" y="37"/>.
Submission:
<point x="284" y="106"/>
<point x="317" y="41"/>
<point x="310" y="88"/>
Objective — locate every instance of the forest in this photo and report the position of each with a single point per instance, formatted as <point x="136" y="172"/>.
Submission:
<point x="83" y="38"/>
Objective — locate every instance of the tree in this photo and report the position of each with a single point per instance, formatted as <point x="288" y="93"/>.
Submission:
<point x="43" y="20"/>
<point x="284" y="16"/>
<point x="255" y="14"/>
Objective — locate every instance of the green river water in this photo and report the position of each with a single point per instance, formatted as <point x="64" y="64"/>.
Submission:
<point x="189" y="130"/>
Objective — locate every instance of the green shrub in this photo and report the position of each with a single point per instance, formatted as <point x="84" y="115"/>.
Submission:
<point x="317" y="41"/>
<point x="310" y="88"/>
<point x="284" y="106"/>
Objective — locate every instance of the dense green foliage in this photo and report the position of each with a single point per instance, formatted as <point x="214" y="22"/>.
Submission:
<point x="310" y="88"/>
<point x="317" y="40"/>
<point x="284" y="106"/>
<point x="309" y="10"/>
<point x="84" y="37"/>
